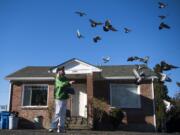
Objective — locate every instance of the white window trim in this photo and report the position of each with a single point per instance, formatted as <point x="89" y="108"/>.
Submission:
<point x="41" y="106"/>
<point x="138" y="92"/>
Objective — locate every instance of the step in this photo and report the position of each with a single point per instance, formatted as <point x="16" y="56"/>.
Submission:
<point x="77" y="127"/>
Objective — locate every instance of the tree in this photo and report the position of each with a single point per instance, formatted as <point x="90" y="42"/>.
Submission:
<point x="173" y="122"/>
<point x="161" y="92"/>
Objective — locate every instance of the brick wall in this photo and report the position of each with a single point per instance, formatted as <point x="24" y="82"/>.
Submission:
<point x="27" y="115"/>
<point x="141" y="116"/>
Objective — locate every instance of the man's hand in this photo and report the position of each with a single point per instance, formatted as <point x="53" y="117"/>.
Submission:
<point x="71" y="82"/>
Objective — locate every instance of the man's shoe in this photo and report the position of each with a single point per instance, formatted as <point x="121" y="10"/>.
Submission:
<point x="62" y="131"/>
<point x="50" y="130"/>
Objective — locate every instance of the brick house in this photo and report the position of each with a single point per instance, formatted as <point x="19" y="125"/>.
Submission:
<point x="32" y="90"/>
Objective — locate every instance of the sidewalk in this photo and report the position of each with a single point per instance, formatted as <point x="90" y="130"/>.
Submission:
<point x="77" y="132"/>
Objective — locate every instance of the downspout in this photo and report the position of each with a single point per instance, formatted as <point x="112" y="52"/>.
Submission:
<point x="9" y="100"/>
<point x="154" y="110"/>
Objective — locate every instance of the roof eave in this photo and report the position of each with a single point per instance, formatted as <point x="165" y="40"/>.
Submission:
<point x="127" y="77"/>
<point x="29" y="78"/>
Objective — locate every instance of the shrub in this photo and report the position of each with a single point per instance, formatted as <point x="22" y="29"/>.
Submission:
<point x="116" y="116"/>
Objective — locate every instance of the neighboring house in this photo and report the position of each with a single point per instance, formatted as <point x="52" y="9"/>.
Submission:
<point x="32" y="90"/>
<point x="3" y="108"/>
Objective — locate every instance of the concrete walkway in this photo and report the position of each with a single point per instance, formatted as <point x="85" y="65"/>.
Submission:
<point x="77" y="132"/>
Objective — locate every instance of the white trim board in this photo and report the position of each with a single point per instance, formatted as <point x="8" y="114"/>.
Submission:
<point x="76" y="66"/>
<point x="127" y="77"/>
<point x="30" y="78"/>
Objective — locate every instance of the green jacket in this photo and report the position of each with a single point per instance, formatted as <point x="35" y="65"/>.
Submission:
<point x="61" y="82"/>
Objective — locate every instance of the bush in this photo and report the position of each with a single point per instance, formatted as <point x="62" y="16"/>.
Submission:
<point x="99" y="112"/>
<point x="116" y="115"/>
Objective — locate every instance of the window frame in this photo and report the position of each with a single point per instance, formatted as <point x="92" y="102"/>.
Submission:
<point x="35" y="106"/>
<point x="138" y="93"/>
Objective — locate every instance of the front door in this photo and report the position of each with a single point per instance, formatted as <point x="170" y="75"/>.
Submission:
<point x="79" y="101"/>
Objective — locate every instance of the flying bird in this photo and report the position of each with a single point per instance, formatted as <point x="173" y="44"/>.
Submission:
<point x="127" y="30"/>
<point x="79" y="35"/>
<point x="162" y="5"/>
<point x="165" y="66"/>
<point x="178" y="84"/>
<point x="162" y="17"/>
<point x="108" y="26"/>
<point x="94" y="23"/>
<point x="164" y="77"/>
<point x="168" y="105"/>
<point x="164" y="26"/>
<point x="80" y="13"/>
<point x="138" y="76"/>
<point x="144" y="60"/>
<point x="96" y="39"/>
<point x="106" y="59"/>
<point x="132" y="58"/>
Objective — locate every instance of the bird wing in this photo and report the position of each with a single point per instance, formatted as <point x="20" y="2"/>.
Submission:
<point x="106" y="59"/>
<point x="163" y="77"/>
<point x="92" y="21"/>
<point x="167" y="103"/>
<point x="136" y="58"/>
<point x="163" y="63"/>
<point x="162" y="16"/>
<point x="136" y="73"/>
<point x="166" y="26"/>
<point x="127" y="30"/>
<point x="162" y="4"/>
<point x="113" y="29"/>
<point x="78" y="33"/>
<point x="77" y="12"/>
<point x="80" y="13"/>
<point x="98" y="37"/>
<point x="172" y="66"/>
<point x="178" y="84"/>
<point x="130" y="59"/>
<point x="107" y="23"/>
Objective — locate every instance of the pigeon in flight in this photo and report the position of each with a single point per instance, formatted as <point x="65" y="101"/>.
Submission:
<point x="108" y="26"/>
<point x="162" y="5"/>
<point x="144" y="60"/>
<point x="164" y="77"/>
<point x="96" y="39"/>
<point x="165" y="66"/>
<point x="80" y="13"/>
<point x="94" y="23"/>
<point x="106" y="59"/>
<point x="168" y="105"/>
<point x="132" y="58"/>
<point x="162" y="17"/>
<point x="139" y="76"/>
<point x="126" y="30"/>
<point x="79" y="34"/>
<point x="164" y="26"/>
<point x="178" y="84"/>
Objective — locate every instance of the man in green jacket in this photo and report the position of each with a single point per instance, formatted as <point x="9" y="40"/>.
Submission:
<point x="61" y="94"/>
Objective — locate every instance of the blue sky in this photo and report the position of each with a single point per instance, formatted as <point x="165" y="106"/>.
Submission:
<point x="43" y="33"/>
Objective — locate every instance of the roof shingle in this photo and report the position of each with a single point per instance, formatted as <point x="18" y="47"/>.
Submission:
<point x="107" y="71"/>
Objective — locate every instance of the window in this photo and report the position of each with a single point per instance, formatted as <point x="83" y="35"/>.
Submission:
<point x="35" y="95"/>
<point x="125" y="95"/>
